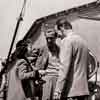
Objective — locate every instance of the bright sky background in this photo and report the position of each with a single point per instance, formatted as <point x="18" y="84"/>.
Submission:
<point x="10" y="9"/>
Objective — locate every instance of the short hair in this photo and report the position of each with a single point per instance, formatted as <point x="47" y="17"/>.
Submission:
<point x="20" y="43"/>
<point x="28" y="41"/>
<point x="63" y="23"/>
<point x="23" y="43"/>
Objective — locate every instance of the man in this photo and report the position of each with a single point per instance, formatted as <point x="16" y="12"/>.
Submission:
<point x="72" y="83"/>
<point x="51" y="72"/>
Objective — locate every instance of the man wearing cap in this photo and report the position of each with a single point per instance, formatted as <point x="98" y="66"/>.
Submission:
<point x="51" y="72"/>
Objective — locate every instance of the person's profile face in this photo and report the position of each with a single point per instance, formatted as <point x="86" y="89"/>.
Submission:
<point x="59" y="31"/>
<point x="50" y="40"/>
<point x="50" y="36"/>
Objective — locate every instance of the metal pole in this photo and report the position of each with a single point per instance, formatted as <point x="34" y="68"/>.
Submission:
<point x="14" y="36"/>
<point x="12" y="43"/>
<point x="16" y="29"/>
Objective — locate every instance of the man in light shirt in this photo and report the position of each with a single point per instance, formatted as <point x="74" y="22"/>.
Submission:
<point x="72" y="83"/>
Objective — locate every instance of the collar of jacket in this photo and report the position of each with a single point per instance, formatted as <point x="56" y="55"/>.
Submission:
<point x="70" y="33"/>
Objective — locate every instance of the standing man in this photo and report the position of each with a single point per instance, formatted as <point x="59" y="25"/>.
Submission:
<point x="52" y="65"/>
<point x="72" y="83"/>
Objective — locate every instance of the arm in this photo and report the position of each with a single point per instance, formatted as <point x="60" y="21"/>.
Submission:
<point x="23" y="73"/>
<point x="42" y="59"/>
<point x="3" y="83"/>
<point x="65" y="58"/>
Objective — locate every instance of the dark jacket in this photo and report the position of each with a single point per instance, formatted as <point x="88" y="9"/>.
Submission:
<point x="21" y="78"/>
<point x="28" y="75"/>
<point x="25" y="73"/>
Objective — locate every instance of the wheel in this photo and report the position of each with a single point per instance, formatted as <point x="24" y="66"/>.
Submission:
<point x="93" y="67"/>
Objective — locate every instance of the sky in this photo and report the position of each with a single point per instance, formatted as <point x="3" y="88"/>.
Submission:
<point x="10" y="10"/>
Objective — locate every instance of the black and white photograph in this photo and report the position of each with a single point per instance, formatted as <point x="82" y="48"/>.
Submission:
<point x="50" y="50"/>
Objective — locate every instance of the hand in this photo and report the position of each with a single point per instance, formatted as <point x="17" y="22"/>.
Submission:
<point x="56" y="96"/>
<point x="30" y="58"/>
<point x="42" y="72"/>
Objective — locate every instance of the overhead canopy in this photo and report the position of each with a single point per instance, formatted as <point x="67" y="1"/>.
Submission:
<point x="37" y="9"/>
<point x="86" y="11"/>
<point x="41" y="8"/>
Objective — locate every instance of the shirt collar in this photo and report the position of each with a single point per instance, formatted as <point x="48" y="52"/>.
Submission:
<point x="70" y="33"/>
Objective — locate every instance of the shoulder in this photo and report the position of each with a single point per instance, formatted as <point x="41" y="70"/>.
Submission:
<point x="67" y="41"/>
<point x="74" y="38"/>
<point x="20" y="62"/>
